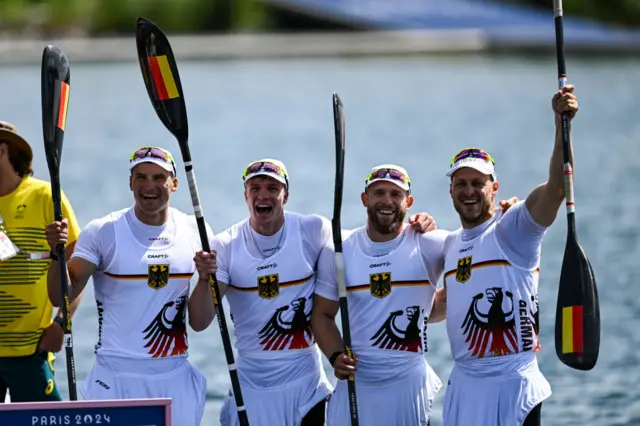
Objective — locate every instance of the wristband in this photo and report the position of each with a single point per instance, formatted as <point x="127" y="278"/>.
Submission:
<point x="53" y="256"/>
<point x="60" y="321"/>
<point x="333" y="357"/>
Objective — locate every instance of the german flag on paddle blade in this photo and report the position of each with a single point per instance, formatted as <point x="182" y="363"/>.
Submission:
<point x="162" y="78"/>
<point x="572" y="330"/>
<point x="64" y="103"/>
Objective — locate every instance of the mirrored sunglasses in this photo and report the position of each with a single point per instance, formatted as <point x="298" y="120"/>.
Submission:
<point x="472" y="153"/>
<point x="149" y="151"/>
<point x="389" y="174"/>
<point x="263" y="166"/>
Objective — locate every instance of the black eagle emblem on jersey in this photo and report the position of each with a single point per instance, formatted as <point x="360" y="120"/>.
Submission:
<point x="493" y="329"/>
<point x="390" y="336"/>
<point x="165" y="333"/>
<point x="279" y="334"/>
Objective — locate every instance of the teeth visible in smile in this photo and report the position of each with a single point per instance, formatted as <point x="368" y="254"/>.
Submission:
<point x="469" y="201"/>
<point x="382" y="211"/>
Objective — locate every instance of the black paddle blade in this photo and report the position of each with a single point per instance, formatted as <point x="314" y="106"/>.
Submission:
<point x="339" y="126"/>
<point x="577" y="332"/>
<point x="161" y="78"/>
<point x="55" y="79"/>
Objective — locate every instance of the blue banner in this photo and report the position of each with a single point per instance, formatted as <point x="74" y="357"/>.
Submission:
<point x="107" y="416"/>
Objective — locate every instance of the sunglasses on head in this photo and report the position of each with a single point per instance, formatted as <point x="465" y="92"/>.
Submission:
<point x="388" y="173"/>
<point x="263" y="166"/>
<point x="153" y="152"/>
<point x="149" y="151"/>
<point x="472" y="153"/>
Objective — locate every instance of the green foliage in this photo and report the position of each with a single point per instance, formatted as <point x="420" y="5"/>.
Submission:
<point x="100" y="17"/>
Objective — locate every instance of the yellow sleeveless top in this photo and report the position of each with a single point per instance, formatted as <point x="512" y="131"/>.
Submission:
<point x="25" y="310"/>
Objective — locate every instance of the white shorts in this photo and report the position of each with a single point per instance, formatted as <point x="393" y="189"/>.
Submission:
<point x="175" y="378"/>
<point x="277" y="406"/>
<point x="503" y="400"/>
<point x="404" y="402"/>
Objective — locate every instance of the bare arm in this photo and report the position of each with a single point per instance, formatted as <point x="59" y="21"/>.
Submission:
<point x="201" y="308"/>
<point x="78" y="273"/>
<point x="439" y="308"/>
<point x="74" y="305"/>
<point x="545" y="200"/>
<point x="323" y="324"/>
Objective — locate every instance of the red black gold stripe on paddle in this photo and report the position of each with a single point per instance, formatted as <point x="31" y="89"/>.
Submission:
<point x="572" y="333"/>
<point x="393" y="284"/>
<point x="163" y="78"/>
<point x="484" y="264"/>
<point x="145" y="277"/>
<point x="64" y="104"/>
<point x="281" y="285"/>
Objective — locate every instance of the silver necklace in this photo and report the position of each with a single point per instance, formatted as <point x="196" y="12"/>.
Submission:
<point x="272" y="250"/>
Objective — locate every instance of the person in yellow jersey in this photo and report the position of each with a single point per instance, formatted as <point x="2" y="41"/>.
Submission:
<point x="28" y="335"/>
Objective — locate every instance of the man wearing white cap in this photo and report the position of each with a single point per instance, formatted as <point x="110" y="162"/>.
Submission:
<point x="141" y="259"/>
<point x="491" y="288"/>
<point x="266" y="267"/>
<point x="392" y="273"/>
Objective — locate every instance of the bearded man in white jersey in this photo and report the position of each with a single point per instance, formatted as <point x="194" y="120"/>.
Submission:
<point x="391" y="277"/>
<point x="266" y="269"/>
<point x="492" y="289"/>
<point x="141" y="260"/>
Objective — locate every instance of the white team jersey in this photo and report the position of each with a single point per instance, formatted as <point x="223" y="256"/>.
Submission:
<point x="141" y="290"/>
<point x="270" y="299"/>
<point x="389" y="298"/>
<point x="492" y="304"/>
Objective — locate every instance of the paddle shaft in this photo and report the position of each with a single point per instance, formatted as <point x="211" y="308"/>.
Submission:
<point x="337" y="241"/>
<point x="346" y="335"/>
<point x="64" y="288"/>
<point x="566" y="149"/>
<point x="215" y="291"/>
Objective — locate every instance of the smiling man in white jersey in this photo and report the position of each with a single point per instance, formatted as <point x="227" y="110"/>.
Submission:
<point x="266" y="269"/>
<point x="391" y="277"/>
<point x="492" y="289"/>
<point x="142" y="259"/>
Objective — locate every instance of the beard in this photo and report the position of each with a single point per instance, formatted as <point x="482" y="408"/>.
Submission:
<point x="475" y="215"/>
<point x="387" y="224"/>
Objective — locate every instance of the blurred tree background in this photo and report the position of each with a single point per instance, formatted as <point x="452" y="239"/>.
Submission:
<point x="110" y="17"/>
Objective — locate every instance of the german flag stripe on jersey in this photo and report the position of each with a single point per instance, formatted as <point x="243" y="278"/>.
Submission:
<point x="484" y="264"/>
<point x="393" y="284"/>
<point x="281" y="285"/>
<point x="144" y="277"/>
